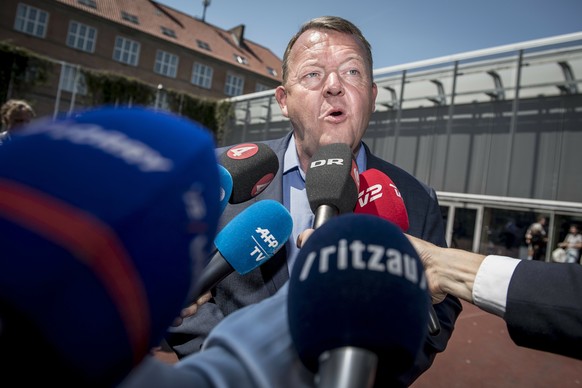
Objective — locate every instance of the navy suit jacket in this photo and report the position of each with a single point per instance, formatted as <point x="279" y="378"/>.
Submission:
<point x="236" y="291"/>
<point x="544" y="307"/>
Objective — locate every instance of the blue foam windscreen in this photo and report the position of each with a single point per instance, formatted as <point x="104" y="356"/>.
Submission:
<point x="254" y="235"/>
<point x="225" y="187"/>
<point x="106" y="219"/>
<point x="359" y="282"/>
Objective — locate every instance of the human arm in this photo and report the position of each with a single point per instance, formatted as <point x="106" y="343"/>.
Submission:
<point x="539" y="301"/>
<point x="543" y="307"/>
<point x="252" y="347"/>
<point x="475" y="278"/>
<point x="448" y="270"/>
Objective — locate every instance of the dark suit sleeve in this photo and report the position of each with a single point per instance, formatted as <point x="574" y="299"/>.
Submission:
<point x="544" y="307"/>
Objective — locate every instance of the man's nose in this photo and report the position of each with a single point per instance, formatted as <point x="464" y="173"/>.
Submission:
<point x="333" y="85"/>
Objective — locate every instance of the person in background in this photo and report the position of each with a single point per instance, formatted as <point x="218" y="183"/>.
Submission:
<point x="328" y="94"/>
<point x="536" y="238"/>
<point x="14" y="113"/>
<point x="572" y="244"/>
<point x="545" y="317"/>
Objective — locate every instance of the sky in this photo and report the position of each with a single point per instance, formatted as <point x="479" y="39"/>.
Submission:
<point x="400" y="31"/>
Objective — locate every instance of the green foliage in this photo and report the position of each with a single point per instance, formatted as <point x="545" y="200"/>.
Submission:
<point x="110" y="88"/>
<point x="21" y="70"/>
<point x="224" y="118"/>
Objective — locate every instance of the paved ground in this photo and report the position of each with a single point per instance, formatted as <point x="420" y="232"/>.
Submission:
<point x="480" y="354"/>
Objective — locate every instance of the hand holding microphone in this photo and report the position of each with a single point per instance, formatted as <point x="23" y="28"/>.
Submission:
<point x="357" y="299"/>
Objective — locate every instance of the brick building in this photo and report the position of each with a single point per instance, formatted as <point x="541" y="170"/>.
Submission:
<point x="144" y="40"/>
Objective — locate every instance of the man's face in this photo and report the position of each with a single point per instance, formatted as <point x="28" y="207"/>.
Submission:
<point x="329" y="96"/>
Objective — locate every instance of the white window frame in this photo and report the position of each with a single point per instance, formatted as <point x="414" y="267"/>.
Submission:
<point x="259" y="87"/>
<point x="202" y="75"/>
<point x="126" y="51"/>
<point x="31" y="20"/>
<point x="81" y="36"/>
<point x="72" y="78"/>
<point x="166" y="64"/>
<point x="234" y="84"/>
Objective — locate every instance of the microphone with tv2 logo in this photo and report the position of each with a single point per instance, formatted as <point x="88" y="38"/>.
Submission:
<point x="331" y="182"/>
<point x="252" y="167"/>
<point x="380" y="197"/>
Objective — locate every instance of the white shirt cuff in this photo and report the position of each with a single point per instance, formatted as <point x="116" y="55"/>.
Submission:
<point x="492" y="283"/>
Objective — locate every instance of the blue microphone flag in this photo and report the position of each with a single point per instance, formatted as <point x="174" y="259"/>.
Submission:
<point x="254" y="235"/>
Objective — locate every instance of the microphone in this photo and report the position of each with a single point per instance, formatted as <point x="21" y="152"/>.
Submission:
<point x="252" y="167"/>
<point x="380" y="197"/>
<point x="331" y="182"/>
<point x="114" y="214"/>
<point x="225" y="180"/>
<point x="246" y="242"/>
<point x="358" y="302"/>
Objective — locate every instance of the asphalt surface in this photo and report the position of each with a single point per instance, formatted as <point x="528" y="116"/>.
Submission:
<point x="480" y="354"/>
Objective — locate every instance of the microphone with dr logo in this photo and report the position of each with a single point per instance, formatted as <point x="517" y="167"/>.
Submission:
<point x="246" y="242"/>
<point x="252" y="167"/>
<point x="331" y="182"/>
<point x="358" y="303"/>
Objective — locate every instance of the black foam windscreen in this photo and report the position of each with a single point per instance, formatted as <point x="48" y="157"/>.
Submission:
<point x="358" y="282"/>
<point x="332" y="178"/>
<point x="252" y="167"/>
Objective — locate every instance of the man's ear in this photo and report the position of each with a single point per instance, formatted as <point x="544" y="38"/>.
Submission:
<point x="281" y="96"/>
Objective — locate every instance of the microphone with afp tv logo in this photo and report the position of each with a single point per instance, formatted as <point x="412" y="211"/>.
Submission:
<point x="246" y="242"/>
<point x="358" y="302"/>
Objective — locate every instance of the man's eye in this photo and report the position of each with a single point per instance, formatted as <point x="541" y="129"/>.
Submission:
<point x="353" y="72"/>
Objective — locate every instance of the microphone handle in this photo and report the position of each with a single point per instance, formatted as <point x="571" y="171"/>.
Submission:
<point x="324" y="213"/>
<point x="216" y="270"/>
<point x="434" y="326"/>
<point x="347" y="367"/>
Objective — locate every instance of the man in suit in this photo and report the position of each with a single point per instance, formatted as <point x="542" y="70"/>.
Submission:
<point x="328" y="94"/>
<point x="539" y="301"/>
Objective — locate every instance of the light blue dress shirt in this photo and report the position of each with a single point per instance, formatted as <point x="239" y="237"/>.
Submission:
<point x="295" y="197"/>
